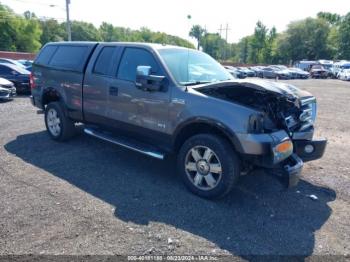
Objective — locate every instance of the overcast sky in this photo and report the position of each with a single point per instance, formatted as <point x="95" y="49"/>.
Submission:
<point x="170" y="16"/>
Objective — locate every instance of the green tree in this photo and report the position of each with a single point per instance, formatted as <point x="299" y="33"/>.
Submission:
<point x="108" y="33"/>
<point x="258" y="43"/>
<point x="51" y="31"/>
<point x="8" y="29"/>
<point x="307" y="39"/>
<point x="197" y="32"/>
<point x="267" y="54"/>
<point x="29" y="33"/>
<point x="331" y="18"/>
<point x="213" y="45"/>
<point x="344" y="38"/>
<point x="243" y="49"/>
<point x="82" y="31"/>
<point x="19" y="33"/>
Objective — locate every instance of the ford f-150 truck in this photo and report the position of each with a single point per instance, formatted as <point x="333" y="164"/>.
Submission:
<point x="160" y="100"/>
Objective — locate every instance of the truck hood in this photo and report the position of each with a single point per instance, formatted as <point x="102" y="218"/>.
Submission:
<point x="277" y="88"/>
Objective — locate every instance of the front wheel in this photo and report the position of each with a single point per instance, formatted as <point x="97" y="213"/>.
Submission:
<point x="208" y="165"/>
<point x="59" y="127"/>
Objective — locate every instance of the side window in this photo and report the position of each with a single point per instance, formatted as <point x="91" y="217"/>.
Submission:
<point x="45" y="55"/>
<point x="132" y="58"/>
<point x="5" y="70"/>
<point x="69" y="57"/>
<point x="104" y="61"/>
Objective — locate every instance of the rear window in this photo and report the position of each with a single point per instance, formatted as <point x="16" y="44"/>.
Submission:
<point x="104" y="61"/>
<point x="70" y="57"/>
<point x="45" y="55"/>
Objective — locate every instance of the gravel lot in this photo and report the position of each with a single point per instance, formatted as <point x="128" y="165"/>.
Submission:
<point x="90" y="197"/>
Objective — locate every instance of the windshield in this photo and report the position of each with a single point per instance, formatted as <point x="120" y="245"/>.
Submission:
<point x="193" y="67"/>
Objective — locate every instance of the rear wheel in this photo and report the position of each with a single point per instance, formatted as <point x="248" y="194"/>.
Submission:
<point x="59" y="127"/>
<point x="208" y="165"/>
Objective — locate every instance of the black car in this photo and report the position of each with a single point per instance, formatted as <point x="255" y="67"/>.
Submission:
<point x="17" y="75"/>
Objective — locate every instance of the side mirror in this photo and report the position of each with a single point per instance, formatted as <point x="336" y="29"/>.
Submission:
<point x="148" y="82"/>
<point x="13" y="72"/>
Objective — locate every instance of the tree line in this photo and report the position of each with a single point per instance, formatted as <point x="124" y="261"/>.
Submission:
<point x="28" y="33"/>
<point x="326" y="36"/>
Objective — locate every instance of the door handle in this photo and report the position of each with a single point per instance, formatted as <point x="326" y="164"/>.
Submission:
<point x="113" y="91"/>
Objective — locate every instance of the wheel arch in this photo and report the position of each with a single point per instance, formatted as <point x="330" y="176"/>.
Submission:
<point x="51" y="94"/>
<point x="201" y="125"/>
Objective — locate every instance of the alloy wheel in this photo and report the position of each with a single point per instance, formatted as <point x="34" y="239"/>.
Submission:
<point x="203" y="167"/>
<point x="53" y="122"/>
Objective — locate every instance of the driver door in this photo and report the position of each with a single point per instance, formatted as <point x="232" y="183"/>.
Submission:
<point x="140" y="113"/>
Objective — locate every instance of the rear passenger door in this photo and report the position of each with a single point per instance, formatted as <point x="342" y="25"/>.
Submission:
<point x="97" y="84"/>
<point x="140" y="113"/>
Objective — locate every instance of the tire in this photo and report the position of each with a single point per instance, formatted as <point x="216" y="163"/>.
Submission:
<point x="199" y="176"/>
<point x="59" y="127"/>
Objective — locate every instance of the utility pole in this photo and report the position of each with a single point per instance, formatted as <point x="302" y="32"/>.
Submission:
<point x="69" y="32"/>
<point x="226" y="29"/>
<point x="225" y="51"/>
<point x="220" y="30"/>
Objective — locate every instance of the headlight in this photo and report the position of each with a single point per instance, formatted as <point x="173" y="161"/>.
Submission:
<point x="282" y="151"/>
<point x="309" y="111"/>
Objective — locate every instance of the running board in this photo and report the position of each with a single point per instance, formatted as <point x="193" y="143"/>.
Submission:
<point x="124" y="142"/>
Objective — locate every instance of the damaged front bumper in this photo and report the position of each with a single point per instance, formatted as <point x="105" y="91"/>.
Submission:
<point x="291" y="170"/>
<point x="260" y="149"/>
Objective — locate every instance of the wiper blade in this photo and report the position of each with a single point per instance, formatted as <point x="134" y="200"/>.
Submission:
<point x="194" y="83"/>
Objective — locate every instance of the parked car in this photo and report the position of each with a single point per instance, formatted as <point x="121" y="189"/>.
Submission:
<point x="338" y="66"/>
<point x="236" y="72"/>
<point x="144" y="97"/>
<point x="344" y="74"/>
<point x="11" y="61"/>
<point x="318" y="71"/>
<point x="17" y="75"/>
<point x="305" y="65"/>
<point x="7" y="89"/>
<point x="284" y="69"/>
<point x="257" y="70"/>
<point x="327" y="65"/>
<point x="247" y="71"/>
<point x="298" y="73"/>
<point x="273" y="72"/>
<point x="26" y="63"/>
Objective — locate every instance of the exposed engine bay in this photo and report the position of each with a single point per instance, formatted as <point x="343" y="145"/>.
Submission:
<point x="279" y="105"/>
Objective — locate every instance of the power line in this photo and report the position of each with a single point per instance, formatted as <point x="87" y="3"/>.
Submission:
<point x="38" y="3"/>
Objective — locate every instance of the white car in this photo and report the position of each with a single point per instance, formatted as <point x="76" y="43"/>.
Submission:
<point x="344" y="75"/>
<point x="7" y="89"/>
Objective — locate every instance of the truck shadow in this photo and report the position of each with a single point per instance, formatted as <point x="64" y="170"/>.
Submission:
<point x="258" y="217"/>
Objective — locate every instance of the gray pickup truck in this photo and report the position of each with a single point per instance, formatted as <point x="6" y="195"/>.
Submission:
<point x="160" y="100"/>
